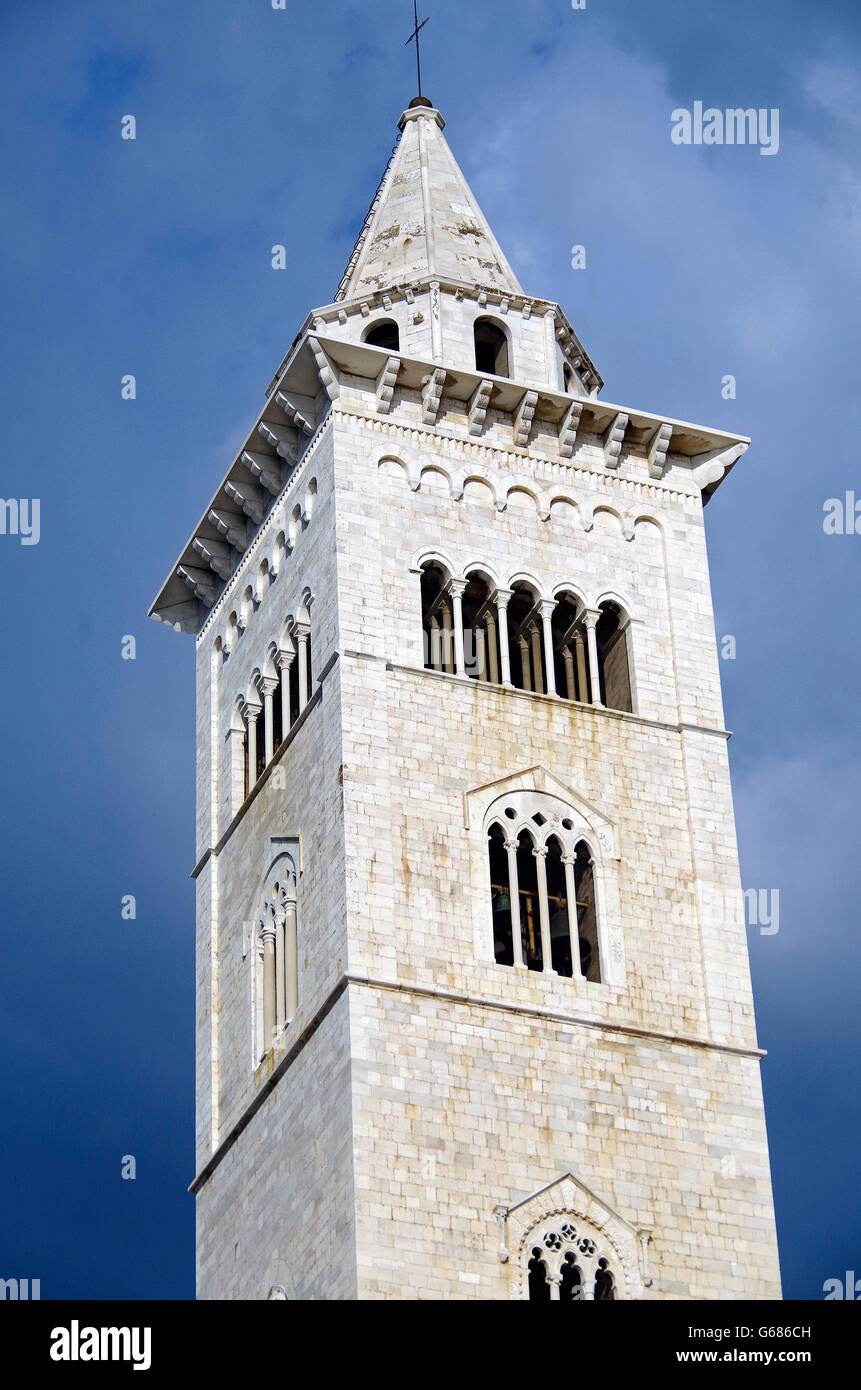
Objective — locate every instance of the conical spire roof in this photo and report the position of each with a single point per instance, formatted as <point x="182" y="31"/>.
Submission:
<point x="425" y="221"/>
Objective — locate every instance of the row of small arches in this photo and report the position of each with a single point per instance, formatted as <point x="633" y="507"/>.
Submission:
<point x="268" y="570"/>
<point x="500" y="490"/>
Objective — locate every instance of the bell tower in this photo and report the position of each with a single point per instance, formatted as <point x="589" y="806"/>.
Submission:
<point x="474" y="1013"/>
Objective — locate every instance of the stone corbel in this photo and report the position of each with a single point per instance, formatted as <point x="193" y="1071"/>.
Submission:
<point x="568" y="429"/>
<point x="613" y="440"/>
<point x="299" y="413"/>
<point x="710" y="467"/>
<point x="432" y="389"/>
<point x="249" y="497"/>
<point x="216" y="554"/>
<point x="501" y="1214"/>
<point x="200" y="582"/>
<point x="325" y="370"/>
<point x="478" y="407"/>
<point x="232" y="528"/>
<point x="264" y="469"/>
<point x="284" y="441"/>
<point x="386" y="383"/>
<point x="658" y="451"/>
<point x="523" y="418"/>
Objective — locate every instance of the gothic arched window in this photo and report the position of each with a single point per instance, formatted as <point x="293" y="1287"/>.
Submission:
<point x="275" y="983"/>
<point x="569" y="1261"/>
<point x="491" y="348"/>
<point x="544" y="906"/>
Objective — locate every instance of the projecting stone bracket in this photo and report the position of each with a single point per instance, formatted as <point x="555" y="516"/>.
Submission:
<point x="264" y="469"/>
<point x="283" y="440"/>
<point x="234" y="531"/>
<point x="710" y="467"/>
<point x="325" y="370"/>
<point x="249" y="497"/>
<point x="432" y="389"/>
<point x="613" y="440"/>
<point x="568" y="429"/>
<point x="299" y="412"/>
<point x="478" y="407"/>
<point x="216" y="554"/>
<point x="523" y="417"/>
<point x="386" y="383"/>
<point x="658" y="451"/>
<point x="200" y="582"/>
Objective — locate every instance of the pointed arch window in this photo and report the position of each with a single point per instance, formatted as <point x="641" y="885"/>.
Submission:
<point x="543" y="898"/>
<point x="569" y="1262"/>
<point x="275" y="983"/>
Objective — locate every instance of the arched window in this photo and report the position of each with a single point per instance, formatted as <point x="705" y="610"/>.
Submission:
<point x="491" y="349"/>
<point x="543" y="899"/>
<point x="611" y="633"/>
<point x="480" y="639"/>
<point x="384" y="334"/>
<point x="275" y="991"/>
<point x="570" y="649"/>
<point x="500" y="897"/>
<point x="530" y="905"/>
<point x="569" y="1260"/>
<point x="525" y="640"/>
<point x="437" y="619"/>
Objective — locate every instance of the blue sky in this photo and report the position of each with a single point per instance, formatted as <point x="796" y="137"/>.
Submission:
<point x="257" y="127"/>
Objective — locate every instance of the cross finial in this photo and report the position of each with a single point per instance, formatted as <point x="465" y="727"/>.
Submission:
<point x="415" y="37"/>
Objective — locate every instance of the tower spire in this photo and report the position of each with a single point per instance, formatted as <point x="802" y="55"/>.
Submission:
<point x="415" y="37"/>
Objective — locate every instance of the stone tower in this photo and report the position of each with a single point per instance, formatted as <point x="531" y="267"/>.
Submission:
<point x="474" y="1014"/>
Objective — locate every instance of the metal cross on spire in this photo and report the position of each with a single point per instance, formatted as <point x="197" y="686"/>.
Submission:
<point x="415" y="37"/>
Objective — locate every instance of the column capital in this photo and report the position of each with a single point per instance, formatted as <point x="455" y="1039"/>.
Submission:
<point x="252" y="709"/>
<point x="502" y="597"/>
<point x="456" y="588"/>
<point x="284" y="660"/>
<point x="541" y="853"/>
<point x="569" y="859"/>
<point x="269" y="685"/>
<point x="267" y="930"/>
<point x="591" y="617"/>
<point x="302" y="631"/>
<point x="546" y="607"/>
<point x="512" y="846"/>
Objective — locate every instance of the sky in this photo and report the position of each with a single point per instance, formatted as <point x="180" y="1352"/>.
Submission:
<point x="257" y="127"/>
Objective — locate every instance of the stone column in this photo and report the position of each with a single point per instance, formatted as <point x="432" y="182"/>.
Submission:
<point x="570" y="686"/>
<point x="502" y="598"/>
<point x="514" y="893"/>
<point x="591" y="617"/>
<point x="524" y="663"/>
<point x="252" y="714"/>
<point x="435" y="655"/>
<point x="457" y="588"/>
<point x="448" y="648"/>
<point x="582" y="679"/>
<point x="535" y="639"/>
<point x="303" y="632"/>
<point x="555" y="1285"/>
<point x="291" y="940"/>
<point x="569" y="861"/>
<point x="544" y="911"/>
<point x="280" y="1015"/>
<point x="267" y="933"/>
<point x="269" y="687"/>
<point x="285" y="662"/>
<point x="492" y="650"/>
<point x="547" y="608"/>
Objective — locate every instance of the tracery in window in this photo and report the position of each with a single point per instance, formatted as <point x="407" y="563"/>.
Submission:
<point x="543" y="899"/>
<point x="568" y="1261"/>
